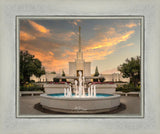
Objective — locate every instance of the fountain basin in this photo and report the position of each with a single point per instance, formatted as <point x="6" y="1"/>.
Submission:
<point x="98" y="104"/>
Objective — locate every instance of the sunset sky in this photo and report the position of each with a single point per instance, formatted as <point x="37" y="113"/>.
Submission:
<point x="105" y="42"/>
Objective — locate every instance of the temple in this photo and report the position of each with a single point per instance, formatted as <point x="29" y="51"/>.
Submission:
<point x="80" y="64"/>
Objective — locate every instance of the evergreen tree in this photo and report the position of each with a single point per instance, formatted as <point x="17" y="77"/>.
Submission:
<point x="63" y="74"/>
<point x="96" y="74"/>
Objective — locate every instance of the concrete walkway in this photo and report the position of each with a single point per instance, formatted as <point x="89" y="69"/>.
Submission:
<point x="27" y="105"/>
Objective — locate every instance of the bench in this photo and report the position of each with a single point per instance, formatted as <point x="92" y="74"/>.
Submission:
<point x="133" y="93"/>
<point x="121" y="93"/>
<point x="32" y="93"/>
<point x="129" y="93"/>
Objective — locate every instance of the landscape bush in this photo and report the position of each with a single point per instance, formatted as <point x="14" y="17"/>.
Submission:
<point x="102" y="79"/>
<point x="31" y="87"/>
<point x="55" y="79"/>
<point x="128" y="88"/>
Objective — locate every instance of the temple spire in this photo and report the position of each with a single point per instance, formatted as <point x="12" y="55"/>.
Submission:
<point x="79" y="53"/>
<point x="79" y="39"/>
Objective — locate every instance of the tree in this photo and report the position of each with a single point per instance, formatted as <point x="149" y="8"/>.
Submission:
<point x="63" y="74"/>
<point x="102" y="79"/>
<point x="131" y="69"/>
<point x="55" y="79"/>
<point x="29" y="66"/>
<point x="96" y="74"/>
<point x="53" y="72"/>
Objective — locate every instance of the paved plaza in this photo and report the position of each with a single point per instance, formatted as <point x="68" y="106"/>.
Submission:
<point x="27" y="103"/>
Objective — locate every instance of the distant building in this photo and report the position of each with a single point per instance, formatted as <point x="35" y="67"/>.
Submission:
<point x="115" y="77"/>
<point x="43" y="78"/>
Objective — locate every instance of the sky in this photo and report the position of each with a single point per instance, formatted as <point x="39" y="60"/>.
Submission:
<point x="106" y="43"/>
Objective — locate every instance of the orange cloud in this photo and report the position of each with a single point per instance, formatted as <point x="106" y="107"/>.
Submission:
<point x="25" y="36"/>
<point x="96" y="49"/>
<point x="51" y="53"/>
<point x="78" y="20"/>
<point x="131" y="44"/>
<point x="75" y="22"/>
<point x="50" y="62"/>
<point x="131" y="25"/>
<point x="38" y="27"/>
<point x="109" y="42"/>
<point x="128" y="45"/>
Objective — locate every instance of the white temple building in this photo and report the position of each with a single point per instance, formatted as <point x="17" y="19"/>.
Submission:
<point x="79" y="64"/>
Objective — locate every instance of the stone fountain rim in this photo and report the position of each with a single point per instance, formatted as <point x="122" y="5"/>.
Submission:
<point x="80" y="98"/>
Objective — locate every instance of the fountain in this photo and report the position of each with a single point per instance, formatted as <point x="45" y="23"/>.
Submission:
<point x="80" y="89"/>
<point x="78" y="101"/>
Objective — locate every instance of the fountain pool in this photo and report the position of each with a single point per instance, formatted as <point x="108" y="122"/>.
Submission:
<point x="80" y="100"/>
<point x="74" y="104"/>
<point x="73" y="95"/>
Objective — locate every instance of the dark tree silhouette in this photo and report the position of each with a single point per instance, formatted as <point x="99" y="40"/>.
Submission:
<point x="29" y="66"/>
<point x="63" y="74"/>
<point x="96" y="74"/>
<point x="131" y="69"/>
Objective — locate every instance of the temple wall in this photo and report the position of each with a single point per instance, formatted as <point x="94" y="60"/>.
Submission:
<point x="87" y="69"/>
<point x="72" y="68"/>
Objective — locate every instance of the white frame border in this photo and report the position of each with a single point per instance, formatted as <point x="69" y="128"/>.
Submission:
<point x="141" y="18"/>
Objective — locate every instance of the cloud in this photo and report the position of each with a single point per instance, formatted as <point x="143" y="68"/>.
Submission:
<point x="128" y="25"/>
<point x="51" y="53"/>
<point x="75" y="22"/>
<point x="131" y="44"/>
<point x="111" y="38"/>
<point x="52" y="60"/>
<point x="25" y="36"/>
<point x="57" y="49"/>
<point x="105" y="44"/>
<point x="131" y="25"/>
<point x="128" y="45"/>
<point x="38" y="27"/>
<point x="68" y="36"/>
<point x="97" y="48"/>
<point x="49" y="61"/>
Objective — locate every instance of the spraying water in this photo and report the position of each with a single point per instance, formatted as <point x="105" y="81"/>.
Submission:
<point x="80" y="88"/>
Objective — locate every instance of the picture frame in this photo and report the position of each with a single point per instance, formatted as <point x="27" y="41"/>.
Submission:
<point x="11" y="124"/>
<point x="83" y="18"/>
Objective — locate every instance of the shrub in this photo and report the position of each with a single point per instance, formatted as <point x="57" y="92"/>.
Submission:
<point x="32" y="81"/>
<point x="128" y="88"/>
<point x="55" y="79"/>
<point x="102" y="79"/>
<point x="95" y="80"/>
<point x="64" y="80"/>
<point x="31" y="87"/>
